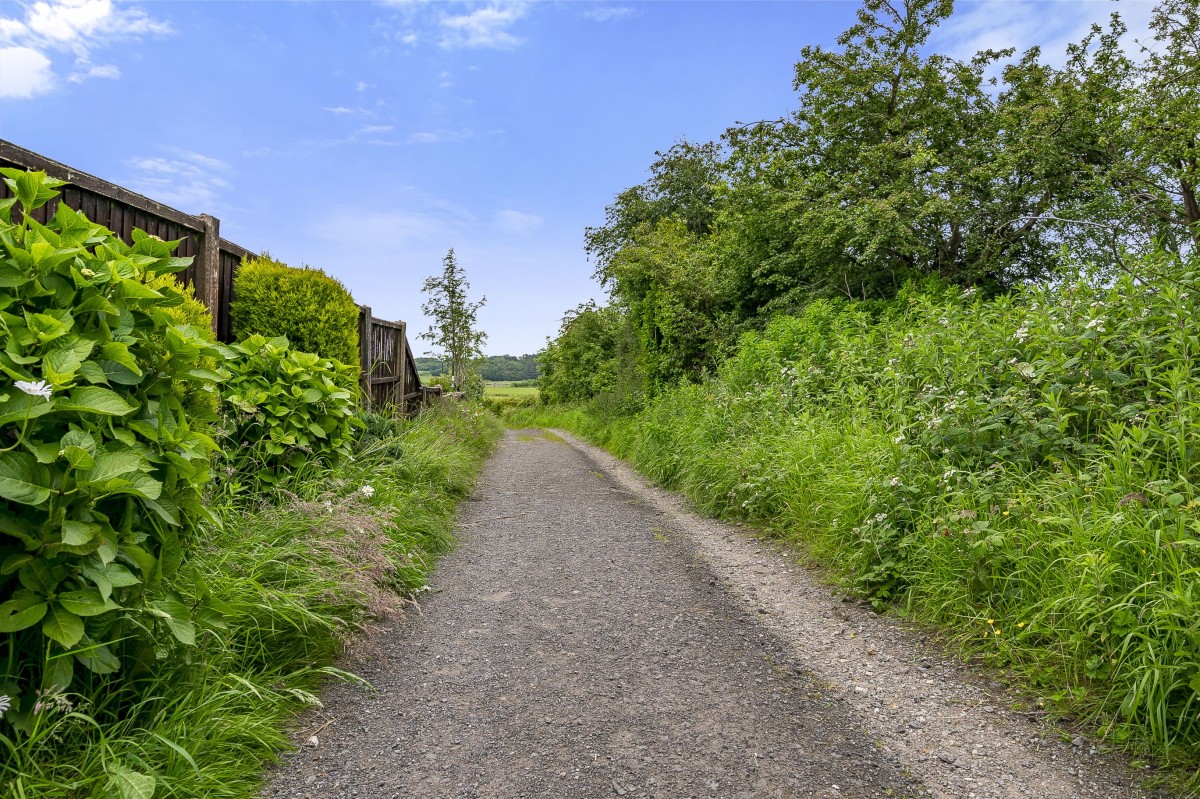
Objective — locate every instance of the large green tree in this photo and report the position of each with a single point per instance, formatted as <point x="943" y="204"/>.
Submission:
<point x="454" y="333"/>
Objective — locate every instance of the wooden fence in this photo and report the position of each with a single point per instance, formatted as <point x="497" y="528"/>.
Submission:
<point x="389" y="372"/>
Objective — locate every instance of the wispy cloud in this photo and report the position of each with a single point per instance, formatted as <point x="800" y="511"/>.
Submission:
<point x="188" y="180"/>
<point x="368" y="130"/>
<point x="483" y="28"/>
<point x="517" y="222"/>
<point x="608" y="13"/>
<point x="54" y="29"/>
<point x="999" y="24"/>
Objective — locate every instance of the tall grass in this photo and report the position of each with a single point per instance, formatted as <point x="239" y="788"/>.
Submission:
<point x="294" y="576"/>
<point x="1022" y="471"/>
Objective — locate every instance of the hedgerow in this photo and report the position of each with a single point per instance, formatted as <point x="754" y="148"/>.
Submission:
<point x="1023" y="469"/>
<point x="313" y="310"/>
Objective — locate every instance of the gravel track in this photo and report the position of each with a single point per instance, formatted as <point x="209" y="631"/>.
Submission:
<point x="590" y="637"/>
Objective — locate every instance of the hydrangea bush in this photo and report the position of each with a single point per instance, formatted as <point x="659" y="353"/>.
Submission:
<point x="101" y="463"/>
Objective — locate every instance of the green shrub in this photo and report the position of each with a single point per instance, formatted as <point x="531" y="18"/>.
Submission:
<point x="200" y="401"/>
<point x="286" y="410"/>
<point x="313" y="310"/>
<point x="101" y="464"/>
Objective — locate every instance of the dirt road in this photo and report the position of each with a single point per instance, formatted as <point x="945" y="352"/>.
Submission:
<point x="591" y="638"/>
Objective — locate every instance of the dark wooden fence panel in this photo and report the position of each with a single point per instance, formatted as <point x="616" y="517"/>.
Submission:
<point x="389" y="372"/>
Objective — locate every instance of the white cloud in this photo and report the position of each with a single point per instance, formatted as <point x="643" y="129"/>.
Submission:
<point x="608" y="13"/>
<point x="485" y="27"/>
<point x="24" y="72"/>
<point x="190" y="181"/>
<point x="88" y="71"/>
<point x="362" y="86"/>
<point x="517" y="222"/>
<point x="368" y="130"/>
<point x="51" y="28"/>
<point x="339" y="109"/>
<point x="999" y="24"/>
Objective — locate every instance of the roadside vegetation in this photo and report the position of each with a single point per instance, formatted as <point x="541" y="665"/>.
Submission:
<point x="190" y="533"/>
<point x="937" y="331"/>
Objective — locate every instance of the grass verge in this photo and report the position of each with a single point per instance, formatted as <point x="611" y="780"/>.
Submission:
<point x="295" y="576"/>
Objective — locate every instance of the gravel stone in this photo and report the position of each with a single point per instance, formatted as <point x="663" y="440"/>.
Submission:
<point x="591" y="637"/>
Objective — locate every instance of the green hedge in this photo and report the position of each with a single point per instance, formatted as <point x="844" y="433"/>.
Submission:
<point x="313" y="310"/>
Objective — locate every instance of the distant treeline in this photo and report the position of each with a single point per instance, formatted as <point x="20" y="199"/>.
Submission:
<point x="493" y="367"/>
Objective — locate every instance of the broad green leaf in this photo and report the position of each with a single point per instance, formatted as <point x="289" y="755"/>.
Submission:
<point x="112" y="464"/>
<point x="62" y="626"/>
<point x="19" y="613"/>
<point x="93" y="399"/>
<point x="21" y="406"/>
<point x="23" y="479"/>
<point x="126" y="784"/>
<point x="76" y="534"/>
<point x="86" y="602"/>
<point x="99" y="659"/>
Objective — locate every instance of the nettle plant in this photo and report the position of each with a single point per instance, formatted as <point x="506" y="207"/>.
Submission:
<point x="101" y="467"/>
<point x="285" y="410"/>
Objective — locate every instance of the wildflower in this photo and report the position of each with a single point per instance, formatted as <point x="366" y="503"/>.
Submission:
<point x="898" y="439"/>
<point x="969" y="292"/>
<point x="1021" y="624"/>
<point x="367" y="491"/>
<point x="895" y="482"/>
<point x="1096" y="324"/>
<point x="5" y="703"/>
<point x="328" y="505"/>
<point x="39" y="389"/>
<point x="880" y="517"/>
<point x="1022" y="334"/>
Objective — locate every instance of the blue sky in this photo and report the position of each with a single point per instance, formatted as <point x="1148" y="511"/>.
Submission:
<point x="368" y="138"/>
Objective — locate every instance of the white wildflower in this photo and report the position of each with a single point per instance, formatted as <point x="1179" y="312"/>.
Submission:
<point x="880" y="517"/>
<point x="328" y="505"/>
<point x="1022" y="334"/>
<point x="898" y="439"/>
<point x="895" y="482"/>
<point x="1096" y="324"/>
<point x="367" y="491"/>
<point x="39" y="389"/>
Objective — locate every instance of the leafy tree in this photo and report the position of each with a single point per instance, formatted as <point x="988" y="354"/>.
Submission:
<point x="453" y="331"/>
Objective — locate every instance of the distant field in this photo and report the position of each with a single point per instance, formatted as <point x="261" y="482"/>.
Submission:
<point x="505" y="388"/>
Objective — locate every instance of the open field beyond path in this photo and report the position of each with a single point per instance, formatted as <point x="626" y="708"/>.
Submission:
<point x="591" y="638"/>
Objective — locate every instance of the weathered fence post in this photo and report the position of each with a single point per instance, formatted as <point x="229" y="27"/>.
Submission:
<point x="402" y="367"/>
<point x="208" y="268"/>
<point x="364" y="351"/>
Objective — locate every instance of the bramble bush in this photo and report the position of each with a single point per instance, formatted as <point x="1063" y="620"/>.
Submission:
<point x="313" y="310"/>
<point x="284" y="411"/>
<point x="101" y="462"/>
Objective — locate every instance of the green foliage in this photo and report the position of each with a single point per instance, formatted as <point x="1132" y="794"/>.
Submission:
<point x="296" y="581"/>
<point x="900" y="164"/>
<point x="286" y="410"/>
<point x="453" y="331"/>
<point x="103" y="454"/>
<point x="1021" y="469"/>
<point x="592" y="356"/>
<point x="313" y="310"/>
<point x="507" y="367"/>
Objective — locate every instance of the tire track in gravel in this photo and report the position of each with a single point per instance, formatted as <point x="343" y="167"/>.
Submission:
<point x="577" y="648"/>
<point x="592" y="638"/>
